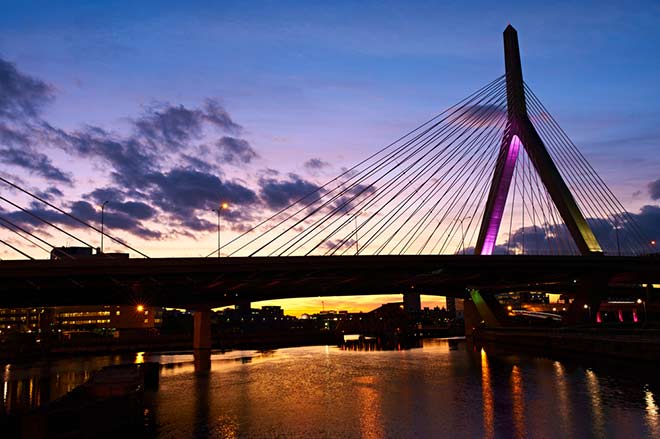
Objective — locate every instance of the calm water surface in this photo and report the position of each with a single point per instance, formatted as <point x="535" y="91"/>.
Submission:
<point x="324" y="392"/>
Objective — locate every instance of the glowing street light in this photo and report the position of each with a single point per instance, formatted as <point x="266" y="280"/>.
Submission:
<point x="587" y="307"/>
<point x="140" y="308"/>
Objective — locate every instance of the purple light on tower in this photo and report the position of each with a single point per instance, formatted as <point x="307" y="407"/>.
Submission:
<point x="500" y="199"/>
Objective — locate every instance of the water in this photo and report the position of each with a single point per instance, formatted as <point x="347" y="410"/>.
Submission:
<point x="324" y="392"/>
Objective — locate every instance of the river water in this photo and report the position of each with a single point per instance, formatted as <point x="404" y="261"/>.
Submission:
<point x="440" y="390"/>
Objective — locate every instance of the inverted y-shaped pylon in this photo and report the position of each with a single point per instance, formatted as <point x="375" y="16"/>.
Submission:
<point x="520" y="132"/>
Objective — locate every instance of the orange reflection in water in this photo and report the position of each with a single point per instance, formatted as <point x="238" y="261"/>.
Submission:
<point x="371" y="426"/>
<point x="564" y="399"/>
<point x="596" y="404"/>
<point x="652" y="416"/>
<point x="518" y="400"/>
<point x="487" y="397"/>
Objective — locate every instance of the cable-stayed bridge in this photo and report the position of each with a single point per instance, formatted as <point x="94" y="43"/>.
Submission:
<point x="490" y="195"/>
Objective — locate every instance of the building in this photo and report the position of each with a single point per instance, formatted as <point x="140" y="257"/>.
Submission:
<point x="107" y="318"/>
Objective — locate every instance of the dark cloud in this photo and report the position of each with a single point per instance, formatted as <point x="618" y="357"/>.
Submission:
<point x="352" y="197"/>
<point x="235" y="151"/>
<point x="84" y="211"/>
<point x="134" y="209"/>
<point x="174" y="126"/>
<point x="315" y="164"/>
<point x="109" y="194"/>
<point x="216" y="115"/>
<point x="478" y="116"/>
<point x="21" y="100"/>
<point x="50" y="194"/>
<point x="157" y="171"/>
<point x="648" y="220"/>
<point x="129" y="159"/>
<point x="630" y="236"/>
<point x="21" y="96"/>
<point x="35" y="163"/>
<point x="13" y="137"/>
<point x="280" y="193"/>
<point x="197" y="163"/>
<point x="654" y="189"/>
<point x="185" y="193"/>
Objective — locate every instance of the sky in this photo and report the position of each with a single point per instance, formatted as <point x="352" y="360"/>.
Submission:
<point x="164" y="108"/>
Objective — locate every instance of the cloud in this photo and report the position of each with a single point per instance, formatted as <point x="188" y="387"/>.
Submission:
<point x="109" y="194"/>
<point x="479" y="116"/>
<point x="35" y="163"/>
<point x="128" y="158"/>
<point x="537" y="240"/>
<point x="277" y="194"/>
<point x="174" y="126"/>
<point x="235" y="151"/>
<point x="353" y="196"/>
<point x="50" y="194"/>
<point x="187" y="193"/>
<point x="133" y="209"/>
<point x="648" y="220"/>
<point x="654" y="189"/>
<point x="21" y="96"/>
<point x="315" y="164"/>
<point x="84" y="211"/>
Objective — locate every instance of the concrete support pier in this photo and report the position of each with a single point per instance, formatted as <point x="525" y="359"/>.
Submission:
<point x="412" y="303"/>
<point x="202" y="340"/>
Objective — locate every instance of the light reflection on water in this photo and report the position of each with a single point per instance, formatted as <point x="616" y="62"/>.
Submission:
<point x="326" y="392"/>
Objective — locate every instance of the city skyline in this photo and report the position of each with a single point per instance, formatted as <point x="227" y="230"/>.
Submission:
<point x="167" y="115"/>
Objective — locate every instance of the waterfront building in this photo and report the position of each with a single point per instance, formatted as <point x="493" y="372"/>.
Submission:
<point x="108" y="318"/>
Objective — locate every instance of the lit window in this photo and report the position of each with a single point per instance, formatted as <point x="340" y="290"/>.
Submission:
<point x="118" y="312"/>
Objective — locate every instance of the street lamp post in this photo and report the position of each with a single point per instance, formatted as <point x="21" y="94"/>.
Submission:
<point x="463" y="233"/>
<point x="357" y="244"/>
<point x="102" y="222"/>
<point x="588" y="308"/>
<point x="223" y="206"/>
<point x="618" y="246"/>
<point x="643" y="303"/>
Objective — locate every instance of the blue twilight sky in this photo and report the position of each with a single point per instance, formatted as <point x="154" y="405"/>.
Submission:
<point x="244" y="95"/>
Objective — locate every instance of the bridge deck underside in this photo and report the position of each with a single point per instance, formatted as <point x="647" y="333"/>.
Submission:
<point x="189" y="282"/>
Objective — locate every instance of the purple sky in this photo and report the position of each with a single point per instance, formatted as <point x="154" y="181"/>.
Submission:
<point x="163" y="108"/>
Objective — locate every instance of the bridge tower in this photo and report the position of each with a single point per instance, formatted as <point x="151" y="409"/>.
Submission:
<point x="521" y="133"/>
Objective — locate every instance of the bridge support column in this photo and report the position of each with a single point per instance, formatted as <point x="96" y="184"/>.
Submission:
<point x="482" y="309"/>
<point x="244" y="308"/>
<point x="412" y="303"/>
<point x="589" y="294"/>
<point x="202" y="340"/>
<point x="472" y="319"/>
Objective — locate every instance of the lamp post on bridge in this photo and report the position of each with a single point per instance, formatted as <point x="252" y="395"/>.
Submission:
<point x="357" y="244"/>
<point x="463" y="232"/>
<point x="102" y="222"/>
<point x="643" y="303"/>
<point x="618" y="246"/>
<point x="223" y="206"/>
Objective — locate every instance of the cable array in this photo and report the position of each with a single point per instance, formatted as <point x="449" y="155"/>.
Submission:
<point x="31" y="236"/>
<point x="425" y="193"/>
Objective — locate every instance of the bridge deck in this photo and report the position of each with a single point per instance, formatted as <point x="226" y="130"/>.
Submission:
<point x="189" y="282"/>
